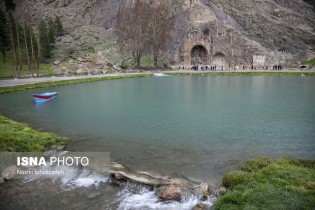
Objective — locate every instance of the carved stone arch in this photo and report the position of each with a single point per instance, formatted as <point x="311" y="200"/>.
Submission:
<point x="199" y="55"/>
<point x="219" y="59"/>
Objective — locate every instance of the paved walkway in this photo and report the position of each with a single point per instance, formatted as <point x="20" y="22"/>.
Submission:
<point x="34" y="80"/>
<point x="25" y="81"/>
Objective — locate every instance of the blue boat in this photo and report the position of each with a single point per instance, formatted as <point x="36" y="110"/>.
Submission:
<point x="44" y="96"/>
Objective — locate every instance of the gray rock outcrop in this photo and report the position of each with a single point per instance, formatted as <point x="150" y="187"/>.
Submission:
<point x="225" y="32"/>
<point x="1" y="180"/>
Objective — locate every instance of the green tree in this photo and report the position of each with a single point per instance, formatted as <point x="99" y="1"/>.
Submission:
<point x="51" y="31"/>
<point x="44" y="42"/>
<point x="7" y="27"/>
<point x="59" y="27"/>
<point x="4" y="39"/>
<point x="11" y="23"/>
<point x="33" y="48"/>
<point x="19" y="38"/>
<point x="9" y="5"/>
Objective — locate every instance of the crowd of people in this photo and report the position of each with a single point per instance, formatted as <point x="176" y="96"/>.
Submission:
<point x="222" y="68"/>
<point x="277" y="67"/>
<point x="203" y="68"/>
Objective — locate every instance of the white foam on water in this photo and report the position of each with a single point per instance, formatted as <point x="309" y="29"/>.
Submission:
<point x="131" y="197"/>
<point x="145" y="199"/>
<point x="72" y="177"/>
<point x="84" y="182"/>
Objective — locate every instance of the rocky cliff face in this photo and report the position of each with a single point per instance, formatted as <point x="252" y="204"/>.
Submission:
<point x="246" y="32"/>
<point x="221" y="32"/>
<point x="285" y="26"/>
<point x="74" y="13"/>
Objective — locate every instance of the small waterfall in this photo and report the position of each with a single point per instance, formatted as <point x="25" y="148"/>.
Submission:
<point x="70" y="177"/>
<point x="140" y="197"/>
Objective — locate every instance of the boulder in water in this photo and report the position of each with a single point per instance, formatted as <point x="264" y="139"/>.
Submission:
<point x="9" y="172"/>
<point x="202" y="190"/>
<point x="169" y="192"/>
<point x="200" y="206"/>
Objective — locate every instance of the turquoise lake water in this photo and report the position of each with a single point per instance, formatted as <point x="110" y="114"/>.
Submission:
<point x="196" y="126"/>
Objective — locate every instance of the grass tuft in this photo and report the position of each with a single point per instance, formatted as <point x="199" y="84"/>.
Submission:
<point x="266" y="184"/>
<point x="234" y="178"/>
<point x="7" y="68"/>
<point x="19" y="137"/>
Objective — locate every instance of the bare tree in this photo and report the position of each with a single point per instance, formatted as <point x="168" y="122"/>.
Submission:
<point x="26" y="47"/>
<point x="38" y="53"/>
<point x="161" y="22"/>
<point x="29" y="39"/>
<point x="132" y="29"/>
<point x="144" y="27"/>
<point x="32" y="50"/>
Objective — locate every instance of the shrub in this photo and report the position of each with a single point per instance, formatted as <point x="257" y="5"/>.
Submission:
<point x="70" y="51"/>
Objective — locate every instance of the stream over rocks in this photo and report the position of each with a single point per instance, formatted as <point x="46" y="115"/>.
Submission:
<point x="85" y="188"/>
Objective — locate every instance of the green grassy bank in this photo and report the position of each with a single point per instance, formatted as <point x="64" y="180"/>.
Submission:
<point x="310" y="62"/>
<point x="199" y="73"/>
<point x="19" y="137"/>
<point x="4" y="90"/>
<point x="266" y="184"/>
<point x="7" y="68"/>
